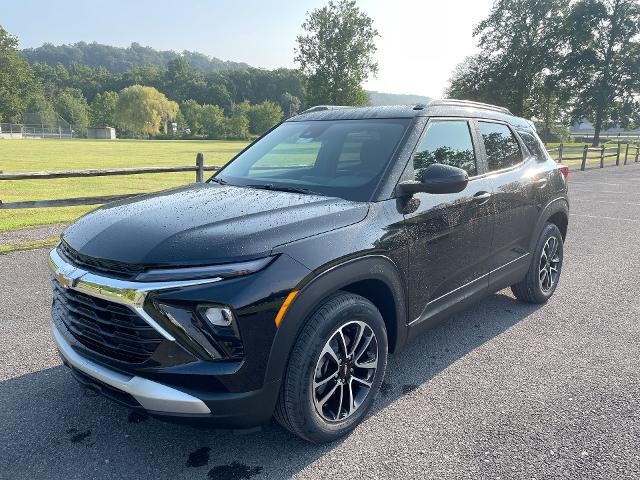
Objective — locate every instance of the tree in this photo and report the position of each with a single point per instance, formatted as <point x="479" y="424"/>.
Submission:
<point x="103" y="109"/>
<point x="191" y="112"/>
<point x="144" y="110"/>
<point x="72" y="106"/>
<point x="518" y="40"/>
<point x="263" y="116"/>
<point x="603" y="63"/>
<point x="290" y="104"/>
<point x="18" y="86"/>
<point x="213" y="121"/>
<point x="336" y="53"/>
<point x="237" y="124"/>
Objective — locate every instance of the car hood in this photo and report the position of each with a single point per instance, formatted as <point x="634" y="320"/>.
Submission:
<point x="206" y="223"/>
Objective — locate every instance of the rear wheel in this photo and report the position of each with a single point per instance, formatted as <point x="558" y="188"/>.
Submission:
<point x="335" y="369"/>
<point x="544" y="272"/>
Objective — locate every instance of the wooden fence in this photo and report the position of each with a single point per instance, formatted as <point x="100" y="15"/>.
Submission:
<point x="199" y="169"/>
<point x="559" y="154"/>
<point x="629" y="152"/>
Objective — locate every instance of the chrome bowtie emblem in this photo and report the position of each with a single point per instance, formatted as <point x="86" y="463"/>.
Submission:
<point x="69" y="277"/>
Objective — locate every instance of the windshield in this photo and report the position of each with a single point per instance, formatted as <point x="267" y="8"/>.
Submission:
<point x="341" y="158"/>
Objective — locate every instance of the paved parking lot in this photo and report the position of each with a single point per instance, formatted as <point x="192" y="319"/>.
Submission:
<point x="504" y="390"/>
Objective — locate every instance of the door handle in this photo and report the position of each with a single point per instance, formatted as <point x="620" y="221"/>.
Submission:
<point x="540" y="183"/>
<point x="481" y="198"/>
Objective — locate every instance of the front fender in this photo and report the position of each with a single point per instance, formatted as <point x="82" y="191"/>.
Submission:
<point x="323" y="282"/>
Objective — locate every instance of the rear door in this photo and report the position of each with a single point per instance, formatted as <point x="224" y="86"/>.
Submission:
<point x="449" y="234"/>
<point x="515" y="182"/>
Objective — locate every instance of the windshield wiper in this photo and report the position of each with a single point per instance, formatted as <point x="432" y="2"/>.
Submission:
<point x="270" y="186"/>
<point x="219" y="180"/>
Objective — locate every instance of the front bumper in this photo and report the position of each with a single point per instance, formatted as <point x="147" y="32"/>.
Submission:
<point x="150" y="395"/>
<point x="217" y="409"/>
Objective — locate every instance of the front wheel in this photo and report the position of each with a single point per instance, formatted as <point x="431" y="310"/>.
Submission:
<point x="544" y="272"/>
<point x="335" y="369"/>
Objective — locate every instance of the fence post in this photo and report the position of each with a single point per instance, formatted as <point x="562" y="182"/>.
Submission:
<point x="560" y="148"/>
<point x="618" y="156"/>
<point x="626" y="154"/>
<point x="602" y="157"/>
<point x="199" y="168"/>
<point x="637" y="152"/>
<point x="584" y="157"/>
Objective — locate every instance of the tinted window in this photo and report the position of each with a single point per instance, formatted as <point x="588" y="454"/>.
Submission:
<point x="447" y="142"/>
<point x="501" y="146"/>
<point x="534" y="145"/>
<point x="340" y="158"/>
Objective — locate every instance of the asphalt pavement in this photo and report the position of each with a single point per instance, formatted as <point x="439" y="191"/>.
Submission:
<point x="503" y="390"/>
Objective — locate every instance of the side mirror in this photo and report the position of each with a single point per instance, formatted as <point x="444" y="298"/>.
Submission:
<point x="437" y="178"/>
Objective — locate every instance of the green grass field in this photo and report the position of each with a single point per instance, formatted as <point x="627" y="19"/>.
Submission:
<point x="41" y="155"/>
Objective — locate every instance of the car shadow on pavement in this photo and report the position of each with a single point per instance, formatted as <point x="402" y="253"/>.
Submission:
<point x="51" y="428"/>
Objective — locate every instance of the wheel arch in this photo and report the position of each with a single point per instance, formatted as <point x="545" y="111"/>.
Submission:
<point x="374" y="277"/>
<point x="556" y="212"/>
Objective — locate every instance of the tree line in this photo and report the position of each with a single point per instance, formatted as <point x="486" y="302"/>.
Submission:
<point x="144" y="91"/>
<point x="237" y="103"/>
<point x="558" y="61"/>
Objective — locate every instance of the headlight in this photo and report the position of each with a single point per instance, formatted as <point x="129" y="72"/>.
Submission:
<point x="224" y="270"/>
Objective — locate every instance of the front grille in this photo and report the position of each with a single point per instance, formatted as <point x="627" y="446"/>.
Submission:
<point x="110" y="268"/>
<point x="105" y="327"/>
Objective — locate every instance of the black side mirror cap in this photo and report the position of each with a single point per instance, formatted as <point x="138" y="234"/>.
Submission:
<point x="437" y="178"/>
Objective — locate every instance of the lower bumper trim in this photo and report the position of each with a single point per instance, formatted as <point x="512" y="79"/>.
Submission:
<point x="151" y="395"/>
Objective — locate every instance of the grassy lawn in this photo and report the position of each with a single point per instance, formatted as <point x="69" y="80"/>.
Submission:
<point x="41" y="155"/>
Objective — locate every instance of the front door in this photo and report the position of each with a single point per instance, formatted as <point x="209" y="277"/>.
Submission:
<point x="449" y="234"/>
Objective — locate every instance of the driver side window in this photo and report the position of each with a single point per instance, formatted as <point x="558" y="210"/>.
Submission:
<point x="447" y="142"/>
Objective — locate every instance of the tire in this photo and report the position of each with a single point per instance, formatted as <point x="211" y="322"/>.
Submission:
<point x="536" y="286"/>
<point x="300" y="408"/>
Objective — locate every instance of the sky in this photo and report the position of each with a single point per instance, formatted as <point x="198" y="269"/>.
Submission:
<point x="420" y="43"/>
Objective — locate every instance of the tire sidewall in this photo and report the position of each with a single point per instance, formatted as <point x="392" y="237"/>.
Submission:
<point x="361" y="310"/>
<point x="549" y="231"/>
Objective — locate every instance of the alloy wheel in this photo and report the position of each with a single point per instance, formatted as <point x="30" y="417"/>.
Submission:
<point x="549" y="264"/>
<point x="345" y="371"/>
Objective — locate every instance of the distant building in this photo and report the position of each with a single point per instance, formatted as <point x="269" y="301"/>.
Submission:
<point x="101" y="133"/>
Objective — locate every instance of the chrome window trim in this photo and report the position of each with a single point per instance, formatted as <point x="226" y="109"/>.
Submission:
<point x="123" y="292"/>
<point x="151" y="395"/>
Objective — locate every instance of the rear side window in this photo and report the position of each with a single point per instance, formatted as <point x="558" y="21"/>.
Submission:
<point x="534" y="145"/>
<point x="447" y="142"/>
<point x="501" y="146"/>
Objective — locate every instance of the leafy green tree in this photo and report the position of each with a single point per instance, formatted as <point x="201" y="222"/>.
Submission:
<point x="213" y="121"/>
<point x="103" y="109"/>
<point x="603" y="63"/>
<point x="237" y="123"/>
<point x="218" y="94"/>
<point x="337" y="53"/>
<point x="72" y="106"/>
<point x="18" y="86"/>
<point x="263" y="116"/>
<point x="290" y="104"/>
<point x="182" y="82"/>
<point x="144" y="110"/>
<point x="191" y="112"/>
<point x="518" y="40"/>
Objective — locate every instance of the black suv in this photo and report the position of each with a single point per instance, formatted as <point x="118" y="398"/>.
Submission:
<point x="279" y="286"/>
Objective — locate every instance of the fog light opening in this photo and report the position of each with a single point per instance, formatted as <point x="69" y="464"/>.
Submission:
<point x="218" y="316"/>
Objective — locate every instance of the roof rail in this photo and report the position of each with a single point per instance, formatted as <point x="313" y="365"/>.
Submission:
<point x="319" y="108"/>
<point x="468" y="103"/>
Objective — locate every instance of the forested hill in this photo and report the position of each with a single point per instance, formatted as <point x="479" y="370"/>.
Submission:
<point x="380" y="98"/>
<point x="119" y="60"/>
